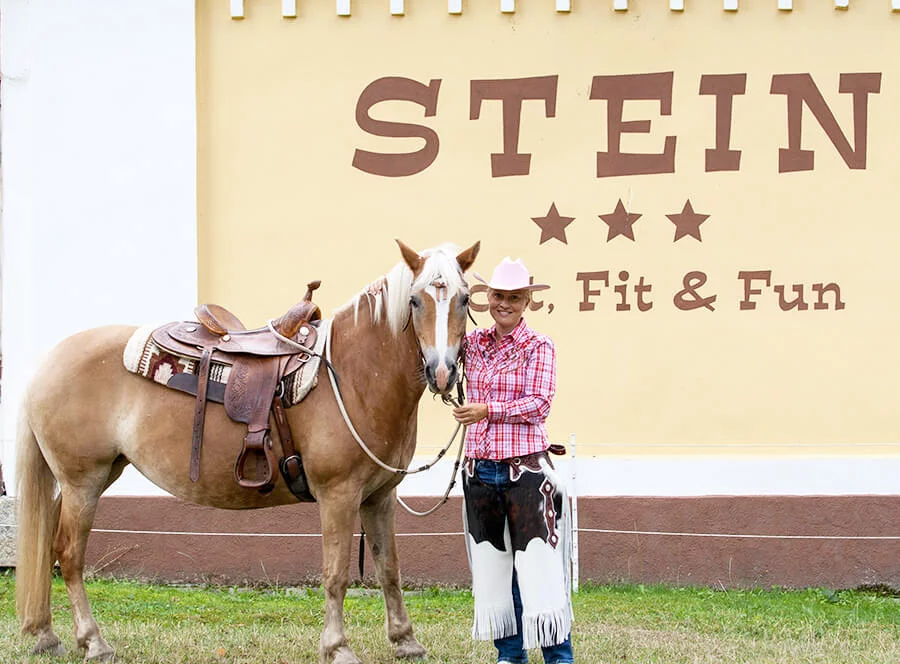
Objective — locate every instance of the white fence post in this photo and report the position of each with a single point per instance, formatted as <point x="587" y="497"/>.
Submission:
<point x="574" y="498"/>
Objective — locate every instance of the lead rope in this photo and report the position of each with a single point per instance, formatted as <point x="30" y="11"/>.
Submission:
<point x="459" y="452"/>
<point x="450" y="486"/>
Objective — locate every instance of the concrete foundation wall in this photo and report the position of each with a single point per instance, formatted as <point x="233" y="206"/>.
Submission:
<point x="7" y="531"/>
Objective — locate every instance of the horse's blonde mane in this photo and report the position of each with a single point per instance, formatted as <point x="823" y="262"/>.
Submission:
<point x="393" y="300"/>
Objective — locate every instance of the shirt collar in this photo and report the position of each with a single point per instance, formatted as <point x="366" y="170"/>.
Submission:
<point x="519" y="334"/>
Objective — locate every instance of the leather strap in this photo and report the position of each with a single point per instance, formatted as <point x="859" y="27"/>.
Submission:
<point x="284" y="427"/>
<point x="200" y="412"/>
<point x="291" y="466"/>
<point x="248" y="398"/>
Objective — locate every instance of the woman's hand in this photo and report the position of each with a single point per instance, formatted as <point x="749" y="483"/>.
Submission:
<point x="470" y="413"/>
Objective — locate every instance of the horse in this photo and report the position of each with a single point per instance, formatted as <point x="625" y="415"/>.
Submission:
<point x="84" y="418"/>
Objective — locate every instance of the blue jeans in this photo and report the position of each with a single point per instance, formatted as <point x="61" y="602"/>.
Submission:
<point x="510" y="649"/>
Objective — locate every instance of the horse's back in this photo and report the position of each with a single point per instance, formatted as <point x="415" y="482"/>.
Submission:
<point x="88" y="359"/>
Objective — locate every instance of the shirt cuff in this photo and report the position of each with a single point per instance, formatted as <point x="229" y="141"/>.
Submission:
<point x="496" y="411"/>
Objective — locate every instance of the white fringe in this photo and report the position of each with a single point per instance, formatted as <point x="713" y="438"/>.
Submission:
<point x="546" y="629"/>
<point x="565" y="542"/>
<point x="494" y="622"/>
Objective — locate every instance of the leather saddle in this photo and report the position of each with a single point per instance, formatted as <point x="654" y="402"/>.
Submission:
<point x="258" y="359"/>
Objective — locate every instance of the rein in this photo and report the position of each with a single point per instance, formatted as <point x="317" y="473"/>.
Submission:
<point x="332" y="377"/>
<point x="340" y="401"/>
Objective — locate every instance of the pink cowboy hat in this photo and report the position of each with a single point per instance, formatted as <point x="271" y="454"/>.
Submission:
<point x="511" y="275"/>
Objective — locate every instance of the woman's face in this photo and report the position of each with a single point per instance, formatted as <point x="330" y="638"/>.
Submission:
<point x="507" y="307"/>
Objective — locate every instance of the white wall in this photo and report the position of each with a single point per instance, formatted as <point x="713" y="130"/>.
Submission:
<point x="99" y="175"/>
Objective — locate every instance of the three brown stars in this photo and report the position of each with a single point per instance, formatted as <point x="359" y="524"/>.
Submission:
<point x="553" y="226"/>
<point x="687" y="222"/>
<point x="620" y="222"/>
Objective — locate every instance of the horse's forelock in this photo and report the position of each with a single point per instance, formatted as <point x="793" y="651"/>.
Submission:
<point x="440" y="265"/>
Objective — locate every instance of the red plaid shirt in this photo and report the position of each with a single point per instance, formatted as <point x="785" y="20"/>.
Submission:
<point x="516" y="378"/>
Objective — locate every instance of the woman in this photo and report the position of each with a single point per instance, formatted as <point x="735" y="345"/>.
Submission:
<point x="516" y="524"/>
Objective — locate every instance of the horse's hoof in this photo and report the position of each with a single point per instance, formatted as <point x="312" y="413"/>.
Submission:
<point x="99" y="651"/>
<point x="410" y="649"/>
<point x="49" y="645"/>
<point x="344" y="655"/>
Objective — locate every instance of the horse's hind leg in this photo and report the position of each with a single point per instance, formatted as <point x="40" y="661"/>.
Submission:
<point x="377" y="515"/>
<point x="79" y="505"/>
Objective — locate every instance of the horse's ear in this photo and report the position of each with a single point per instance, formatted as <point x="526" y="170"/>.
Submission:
<point x="412" y="258"/>
<point x="467" y="257"/>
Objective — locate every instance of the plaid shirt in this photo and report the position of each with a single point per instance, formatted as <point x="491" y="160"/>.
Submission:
<point x="516" y="378"/>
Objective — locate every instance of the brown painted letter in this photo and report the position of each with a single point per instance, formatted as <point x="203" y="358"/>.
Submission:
<point x="800" y="89"/>
<point x="586" y="278"/>
<point x="511" y="92"/>
<point x="392" y="88"/>
<point x="724" y="87"/>
<point x="748" y="277"/>
<point x="616" y="89"/>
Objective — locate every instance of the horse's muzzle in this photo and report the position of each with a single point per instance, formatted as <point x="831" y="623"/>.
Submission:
<point x="441" y="377"/>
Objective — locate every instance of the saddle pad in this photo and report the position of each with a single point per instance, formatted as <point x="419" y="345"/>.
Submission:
<point x="143" y="357"/>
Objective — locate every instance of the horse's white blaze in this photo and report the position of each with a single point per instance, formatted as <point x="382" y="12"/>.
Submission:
<point x="439" y="293"/>
<point x="441" y="318"/>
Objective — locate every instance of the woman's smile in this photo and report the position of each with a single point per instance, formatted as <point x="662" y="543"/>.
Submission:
<point x="506" y="308"/>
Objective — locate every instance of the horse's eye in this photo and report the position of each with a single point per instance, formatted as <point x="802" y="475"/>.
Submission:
<point x="464" y="300"/>
<point x="415" y="302"/>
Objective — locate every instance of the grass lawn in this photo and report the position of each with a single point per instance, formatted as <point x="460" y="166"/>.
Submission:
<point x="614" y="624"/>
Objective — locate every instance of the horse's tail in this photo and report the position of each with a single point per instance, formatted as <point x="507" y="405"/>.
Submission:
<point x="37" y="521"/>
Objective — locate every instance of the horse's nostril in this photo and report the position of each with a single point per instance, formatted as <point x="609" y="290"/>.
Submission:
<point x="429" y="373"/>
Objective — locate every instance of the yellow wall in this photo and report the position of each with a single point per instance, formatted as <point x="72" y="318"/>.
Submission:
<point x="280" y="202"/>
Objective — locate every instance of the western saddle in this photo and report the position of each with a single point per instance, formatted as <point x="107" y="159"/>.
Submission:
<point x="259" y="360"/>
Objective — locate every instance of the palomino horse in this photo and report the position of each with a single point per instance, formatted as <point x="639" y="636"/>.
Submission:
<point x="85" y="418"/>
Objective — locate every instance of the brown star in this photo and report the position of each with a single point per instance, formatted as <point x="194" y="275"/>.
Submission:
<point x="553" y="225"/>
<point x="620" y="222"/>
<point x="687" y="222"/>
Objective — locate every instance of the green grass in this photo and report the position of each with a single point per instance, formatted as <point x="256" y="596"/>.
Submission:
<point x="614" y="624"/>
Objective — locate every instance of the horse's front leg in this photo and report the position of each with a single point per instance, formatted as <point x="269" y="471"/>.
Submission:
<point x="338" y="514"/>
<point x="377" y="514"/>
